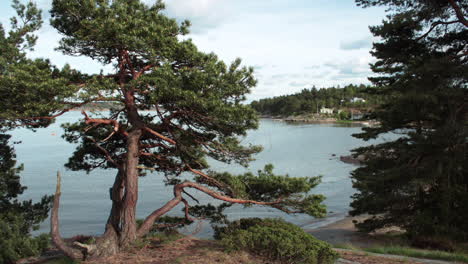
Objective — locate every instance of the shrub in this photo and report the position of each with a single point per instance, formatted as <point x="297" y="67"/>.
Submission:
<point x="276" y="240"/>
<point x="14" y="243"/>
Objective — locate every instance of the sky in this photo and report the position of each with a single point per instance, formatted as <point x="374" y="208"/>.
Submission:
<point x="292" y="44"/>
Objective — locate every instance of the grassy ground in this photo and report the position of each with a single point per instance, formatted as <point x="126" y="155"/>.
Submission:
<point x="419" y="253"/>
<point x="411" y="252"/>
<point x="61" y="260"/>
<point x="173" y="249"/>
<point x="184" y="250"/>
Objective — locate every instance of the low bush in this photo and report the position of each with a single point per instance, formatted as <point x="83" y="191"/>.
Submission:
<point x="15" y="243"/>
<point x="275" y="239"/>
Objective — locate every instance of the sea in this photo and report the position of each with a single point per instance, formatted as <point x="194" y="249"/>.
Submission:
<point x="298" y="150"/>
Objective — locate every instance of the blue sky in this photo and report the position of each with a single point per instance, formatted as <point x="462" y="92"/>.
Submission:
<point x="293" y="44"/>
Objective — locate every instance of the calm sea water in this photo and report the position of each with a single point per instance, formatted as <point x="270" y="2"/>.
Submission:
<point x="297" y="150"/>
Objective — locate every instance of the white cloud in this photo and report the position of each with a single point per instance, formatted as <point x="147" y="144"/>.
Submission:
<point x="45" y="48"/>
<point x="204" y="14"/>
<point x="356" y="44"/>
<point x="194" y="8"/>
<point x="291" y="43"/>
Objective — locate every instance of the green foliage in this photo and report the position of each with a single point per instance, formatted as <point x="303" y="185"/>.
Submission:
<point x="27" y="88"/>
<point x="311" y="100"/>
<point x="99" y="28"/>
<point x="344" y="115"/>
<point x="21" y="36"/>
<point x="291" y="192"/>
<point x="276" y="240"/>
<point x="423" y="254"/>
<point x="16" y="243"/>
<point x="199" y="96"/>
<point x="17" y="219"/>
<point x="418" y="181"/>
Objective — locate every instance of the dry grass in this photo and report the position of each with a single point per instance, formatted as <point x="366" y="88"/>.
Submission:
<point x="364" y="258"/>
<point x="183" y="250"/>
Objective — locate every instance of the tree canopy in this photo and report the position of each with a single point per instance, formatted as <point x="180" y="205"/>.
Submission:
<point x="26" y="88"/>
<point x="419" y="181"/>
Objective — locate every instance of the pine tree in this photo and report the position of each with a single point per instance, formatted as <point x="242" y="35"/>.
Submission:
<point x="26" y="86"/>
<point x="418" y="181"/>
<point x="173" y="108"/>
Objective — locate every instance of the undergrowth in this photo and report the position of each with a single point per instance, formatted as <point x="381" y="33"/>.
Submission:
<point x="276" y="240"/>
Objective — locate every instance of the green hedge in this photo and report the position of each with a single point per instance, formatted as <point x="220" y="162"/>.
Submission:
<point x="276" y="240"/>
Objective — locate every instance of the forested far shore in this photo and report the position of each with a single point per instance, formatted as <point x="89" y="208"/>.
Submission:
<point x="333" y="100"/>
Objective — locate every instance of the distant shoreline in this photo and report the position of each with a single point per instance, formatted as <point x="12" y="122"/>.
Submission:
<point x="321" y="121"/>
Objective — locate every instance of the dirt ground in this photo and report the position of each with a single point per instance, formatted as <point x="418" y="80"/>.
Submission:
<point x="185" y="250"/>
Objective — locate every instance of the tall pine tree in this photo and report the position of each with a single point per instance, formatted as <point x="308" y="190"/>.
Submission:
<point x="174" y="107"/>
<point x="32" y="88"/>
<point x="419" y="181"/>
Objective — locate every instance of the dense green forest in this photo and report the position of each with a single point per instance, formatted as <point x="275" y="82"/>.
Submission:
<point x="418" y="182"/>
<point x="362" y="97"/>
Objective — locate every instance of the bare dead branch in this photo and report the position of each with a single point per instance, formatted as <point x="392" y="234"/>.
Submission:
<point x="88" y="248"/>
<point x="54" y="227"/>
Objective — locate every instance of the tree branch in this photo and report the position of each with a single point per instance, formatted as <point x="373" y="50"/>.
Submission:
<point x="191" y="197"/>
<point x="186" y="210"/>
<point x="151" y="155"/>
<point x="115" y="123"/>
<point x="55" y="115"/>
<point x="223" y="197"/>
<point x="149" y="130"/>
<point x="54" y="227"/>
<point x="129" y="63"/>
<point x="178" y="189"/>
<point x="106" y="153"/>
<point x="218" y="184"/>
<point x="458" y="12"/>
<point x="434" y="25"/>
<point x="147" y="67"/>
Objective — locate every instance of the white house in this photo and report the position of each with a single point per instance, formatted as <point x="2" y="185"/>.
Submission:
<point x="358" y="100"/>
<point x="325" y="110"/>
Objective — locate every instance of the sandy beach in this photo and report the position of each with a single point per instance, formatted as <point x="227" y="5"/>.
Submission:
<point x="344" y="232"/>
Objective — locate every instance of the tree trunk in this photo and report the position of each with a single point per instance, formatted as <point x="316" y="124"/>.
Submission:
<point x="109" y="243"/>
<point x="116" y="195"/>
<point x="130" y="198"/>
<point x="121" y="229"/>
